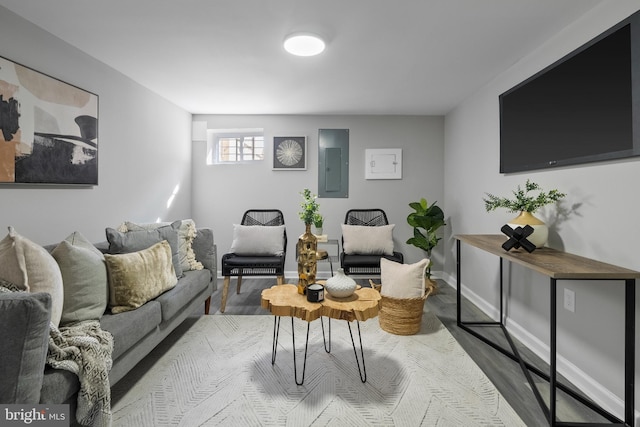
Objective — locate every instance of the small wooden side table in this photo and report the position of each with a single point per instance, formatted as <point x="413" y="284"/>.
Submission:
<point x="284" y="300"/>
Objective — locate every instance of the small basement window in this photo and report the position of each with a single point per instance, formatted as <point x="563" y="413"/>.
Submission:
<point x="234" y="146"/>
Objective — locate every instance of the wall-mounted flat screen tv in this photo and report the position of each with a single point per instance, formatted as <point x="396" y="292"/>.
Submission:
<point x="583" y="108"/>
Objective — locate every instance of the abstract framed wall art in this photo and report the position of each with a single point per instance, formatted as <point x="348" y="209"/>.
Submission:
<point x="290" y="153"/>
<point x="48" y="129"/>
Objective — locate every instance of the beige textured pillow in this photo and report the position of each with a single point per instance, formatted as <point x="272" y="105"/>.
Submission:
<point x="30" y="267"/>
<point x="402" y="280"/>
<point x="84" y="276"/>
<point x="138" y="277"/>
<point x="186" y="233"/>
<point x="368" y="240"/>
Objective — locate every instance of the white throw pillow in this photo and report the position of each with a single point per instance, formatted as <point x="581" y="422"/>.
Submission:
<point x="402" y="280"/>
<point x="30" y="267"/>
<point x="368" y="240"/>
<point x="258" y="239"/>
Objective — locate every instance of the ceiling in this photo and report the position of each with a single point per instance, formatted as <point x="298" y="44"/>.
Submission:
<point x="410" y="57"/>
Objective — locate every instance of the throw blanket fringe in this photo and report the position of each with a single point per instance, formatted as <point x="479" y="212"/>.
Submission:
<point x="85" y="349"/>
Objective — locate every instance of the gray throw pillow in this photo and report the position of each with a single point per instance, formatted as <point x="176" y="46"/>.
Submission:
<point x="133" y="241"/>
<point x="186" y="234"/>
<point x="24" y="326"/>
<point x="84" y="278"/>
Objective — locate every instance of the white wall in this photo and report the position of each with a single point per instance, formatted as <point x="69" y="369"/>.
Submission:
<point x="596" y="220"/>
<point x="144" y="148"/>
<point x="221" y="193"/>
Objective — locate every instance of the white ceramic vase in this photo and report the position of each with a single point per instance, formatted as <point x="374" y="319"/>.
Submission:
<point x="540" y="233"/>
<point x="340" y="285"/>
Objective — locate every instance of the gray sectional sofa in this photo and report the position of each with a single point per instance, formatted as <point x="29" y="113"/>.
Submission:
<point x="24" y="332"/>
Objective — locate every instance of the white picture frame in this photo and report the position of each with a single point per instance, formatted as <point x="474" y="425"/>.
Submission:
<point x="383" y="163"/>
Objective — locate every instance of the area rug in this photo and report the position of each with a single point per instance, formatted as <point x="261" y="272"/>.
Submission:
<point x="219" y="373"/>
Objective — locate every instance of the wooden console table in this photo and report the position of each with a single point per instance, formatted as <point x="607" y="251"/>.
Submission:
<point x="556" y="265"/>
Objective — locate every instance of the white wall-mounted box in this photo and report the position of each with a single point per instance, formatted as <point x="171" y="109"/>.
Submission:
<point x="383" y="163"/>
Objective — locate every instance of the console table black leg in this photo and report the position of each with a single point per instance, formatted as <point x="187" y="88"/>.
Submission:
<point x="458" y="285"/>
<point x="363" y="371"/>
<point x="328" y="350"/>
<point x="276" y="332"/>
<point x="552" y="350"/>
<point x="629" y="350"/>
<point x="304" y="364"/>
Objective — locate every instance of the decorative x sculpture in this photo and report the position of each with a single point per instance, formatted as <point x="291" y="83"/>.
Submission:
<point x="518" y="238"/>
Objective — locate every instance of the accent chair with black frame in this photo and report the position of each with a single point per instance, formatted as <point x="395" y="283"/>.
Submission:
<point x="259" y="248"/>
<point x="363" y="247"/>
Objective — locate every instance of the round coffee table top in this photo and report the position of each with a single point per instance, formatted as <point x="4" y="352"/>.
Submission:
<point x="284" y="300"/>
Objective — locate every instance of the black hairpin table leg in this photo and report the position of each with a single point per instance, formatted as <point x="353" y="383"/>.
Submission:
<point x="328" y="350"/>
<point x="362" y="371"/>
<point x="306" y="346"/>
<point x="274" y="347"/>
<point x="276" y="332"/>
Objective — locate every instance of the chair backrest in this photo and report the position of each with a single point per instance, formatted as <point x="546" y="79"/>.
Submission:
<point x="265" y="217"/>
<point x="369" y="217"/>
<point x="269" y="217"/>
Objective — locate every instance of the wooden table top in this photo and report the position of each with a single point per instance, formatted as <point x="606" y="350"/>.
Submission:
<point x="550" y="262"/>
<point x="284" y="300"/>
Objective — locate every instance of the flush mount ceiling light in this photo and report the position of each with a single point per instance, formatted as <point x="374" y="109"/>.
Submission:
<point x="304" y="44"/>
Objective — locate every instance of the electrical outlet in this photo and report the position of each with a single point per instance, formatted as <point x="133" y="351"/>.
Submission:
<point x="570" y="300"/>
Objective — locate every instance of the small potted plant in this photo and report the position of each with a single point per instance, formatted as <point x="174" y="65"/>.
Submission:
<point x="318" y="221"/>
<point x="426" y="220"/>
<point x="526" y="204"/>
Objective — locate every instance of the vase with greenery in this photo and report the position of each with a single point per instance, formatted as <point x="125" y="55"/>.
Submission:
<point x="426" y="220"/>
<point x="526" y="201"/>
<point x="307" y="242"/>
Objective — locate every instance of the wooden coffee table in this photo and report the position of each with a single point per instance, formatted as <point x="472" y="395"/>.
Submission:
<point x="284" y="300"/>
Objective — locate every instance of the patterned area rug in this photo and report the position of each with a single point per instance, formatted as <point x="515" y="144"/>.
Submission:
<point x="219" y="373"/>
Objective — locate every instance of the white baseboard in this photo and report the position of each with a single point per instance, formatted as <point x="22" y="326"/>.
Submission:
<point x="584" y="382"/>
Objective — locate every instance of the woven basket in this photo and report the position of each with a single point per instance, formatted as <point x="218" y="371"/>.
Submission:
<point x="401" y="316"/>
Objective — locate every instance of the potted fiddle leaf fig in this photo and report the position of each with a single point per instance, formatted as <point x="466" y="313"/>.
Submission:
<point x="426" y="220"/>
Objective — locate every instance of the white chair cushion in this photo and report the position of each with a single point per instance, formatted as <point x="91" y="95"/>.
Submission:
<point x="258" y="239"/>
<point x="368" y="240"/>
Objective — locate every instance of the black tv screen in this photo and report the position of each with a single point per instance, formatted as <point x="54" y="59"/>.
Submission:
<point x="577" y="110"/>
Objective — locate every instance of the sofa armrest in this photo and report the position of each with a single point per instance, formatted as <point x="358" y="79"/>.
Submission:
<point x="24" y="334"/>
<point x="206" y="251"/>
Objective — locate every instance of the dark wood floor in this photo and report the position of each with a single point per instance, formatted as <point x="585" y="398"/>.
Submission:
<point x="503" y="372"/>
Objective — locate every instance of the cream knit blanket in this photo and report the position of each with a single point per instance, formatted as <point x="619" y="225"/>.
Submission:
<point x="85" y="349"/>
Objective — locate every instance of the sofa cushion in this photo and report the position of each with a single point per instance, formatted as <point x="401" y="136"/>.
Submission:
<point x="138" y="277"/>
<point x="84" y="276"/>
<point x="186" y="234"/>
<point x="190" y="285"/>
<point x="31" y="268"/>
<point x="367" y="240"/>
<point x="24" y="333"/>
<point x="132" y="241"/>
<point x="130" y="327"/>
<point x="402" y="280"/>
<point x="60" y="386"/>
<point x="257" y="240"/>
